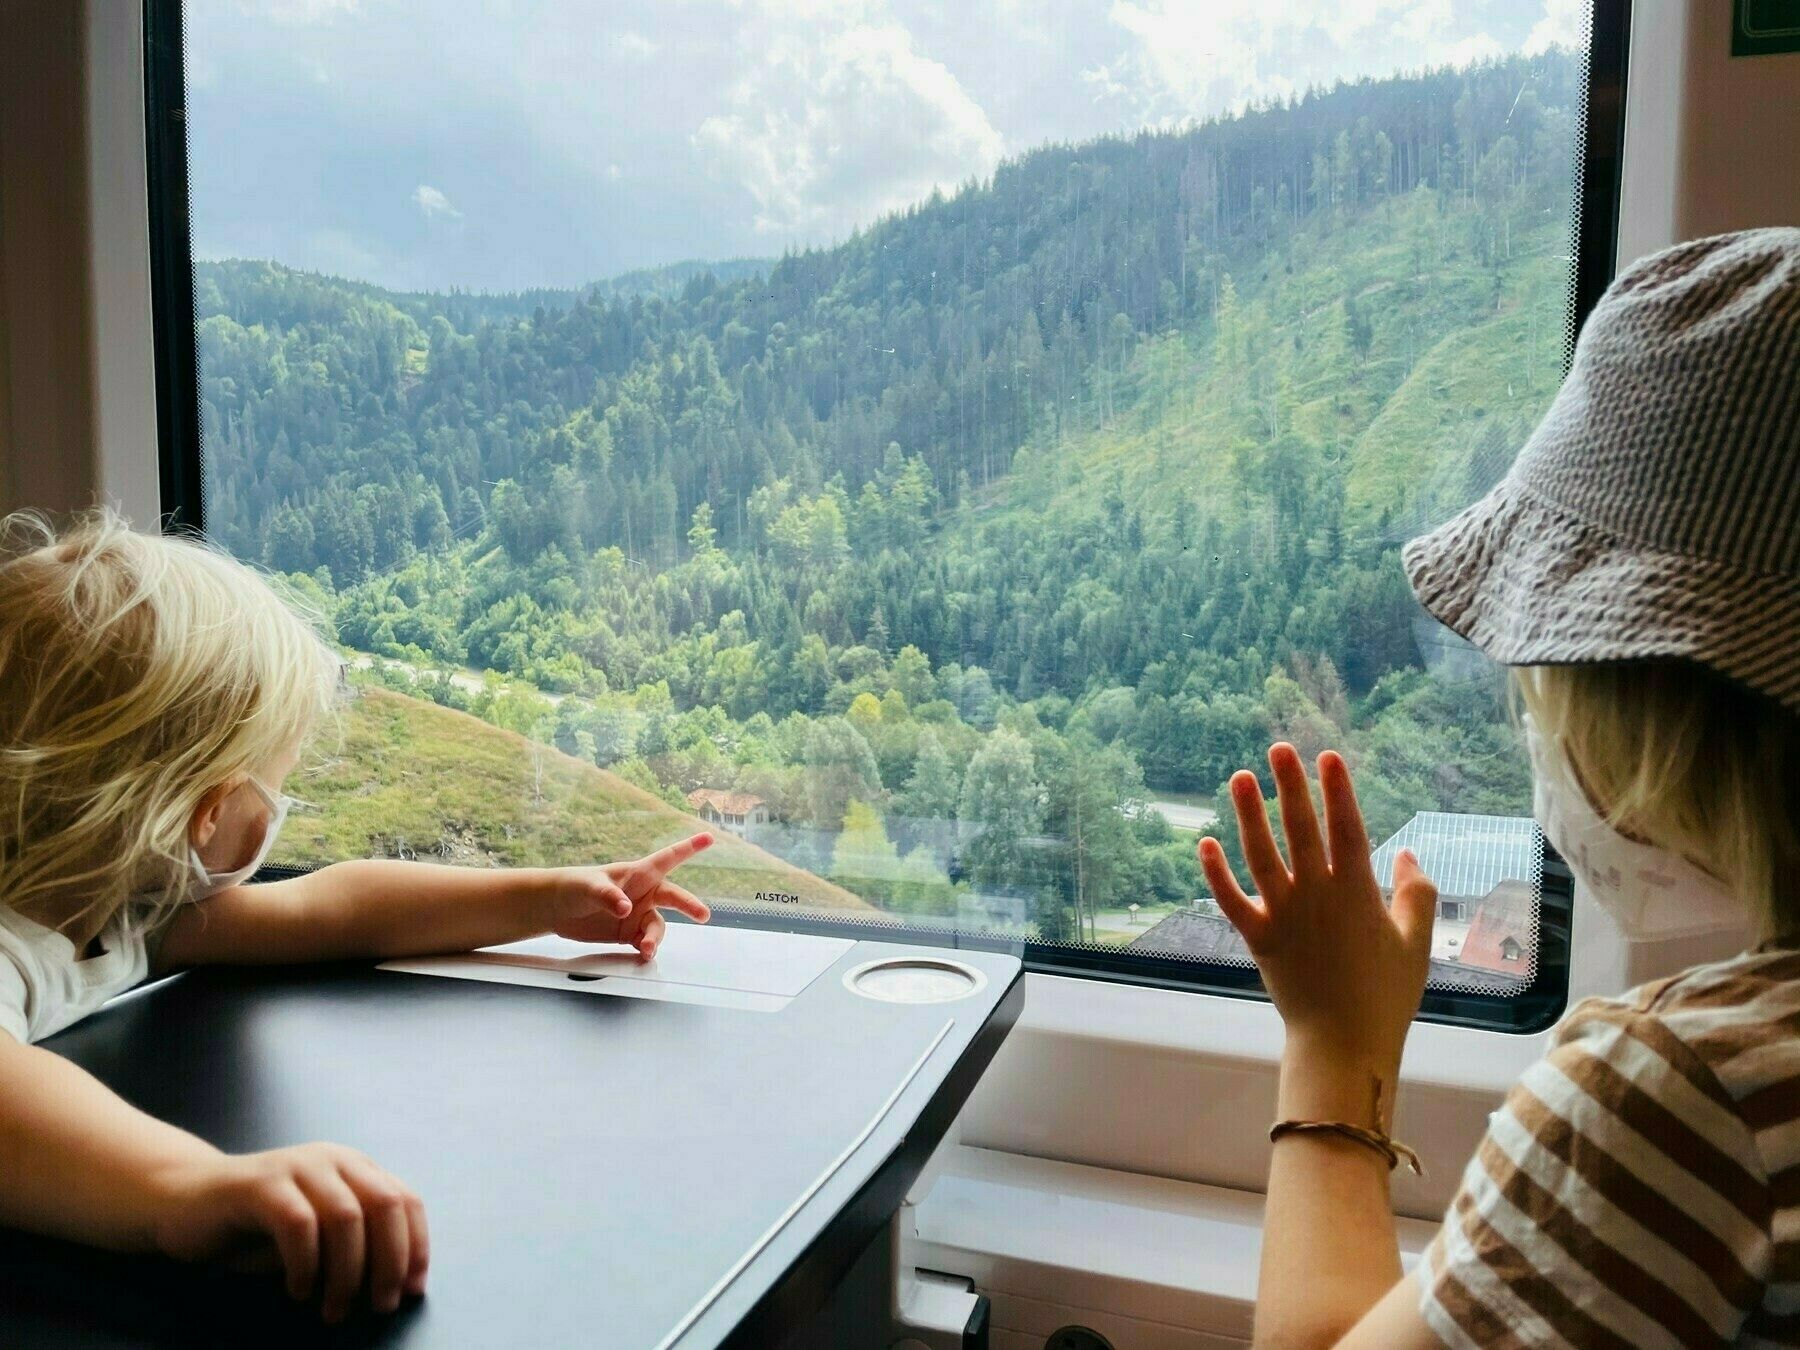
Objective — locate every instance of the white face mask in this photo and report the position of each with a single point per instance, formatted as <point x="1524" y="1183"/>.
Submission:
<point x="1650" y="892"/>
<point x="211" y="883"/>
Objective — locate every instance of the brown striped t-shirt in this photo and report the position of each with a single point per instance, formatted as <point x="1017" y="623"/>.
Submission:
<point x="1641" y="1185"/>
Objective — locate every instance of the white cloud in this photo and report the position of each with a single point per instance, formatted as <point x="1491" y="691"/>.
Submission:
<point x="1475" y="47"/>
<point x="614" y="173"/>
<point x="301" y="11"/>
<point x="842" y="120"/>
<point x="1197" y="59"/>
<point x="632" y="45"/>
<point x="1105" y="83"/>
<point x="1562" y="26"/>
<point x="434" y="203"/>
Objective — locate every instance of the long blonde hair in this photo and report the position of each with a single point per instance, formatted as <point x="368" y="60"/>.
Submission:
<point x="1671" y="753"/>
<point x="137" y="672"/>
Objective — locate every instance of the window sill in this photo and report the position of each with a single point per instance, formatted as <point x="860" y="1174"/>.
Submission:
<point x="1249" y="1030"/>
<point x="1177" y="1086"/>
<point x="1144" y="1261"/>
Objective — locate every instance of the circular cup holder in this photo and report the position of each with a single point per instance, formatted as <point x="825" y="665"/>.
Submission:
<point x="914" y="979"/>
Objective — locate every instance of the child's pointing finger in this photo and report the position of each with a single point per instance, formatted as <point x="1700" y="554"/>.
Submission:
<point x="666" y="860"/>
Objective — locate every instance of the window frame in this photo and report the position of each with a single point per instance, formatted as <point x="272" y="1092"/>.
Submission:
<point x="180" y="457"/>
<point x="181" y="469"/>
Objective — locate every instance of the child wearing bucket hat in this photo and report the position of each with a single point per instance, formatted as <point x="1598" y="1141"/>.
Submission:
<point x="1639" y="569"/>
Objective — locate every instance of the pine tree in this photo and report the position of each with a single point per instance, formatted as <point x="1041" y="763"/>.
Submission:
<point x="934" y="790"/>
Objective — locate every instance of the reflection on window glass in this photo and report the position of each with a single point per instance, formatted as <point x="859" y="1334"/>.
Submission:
<point x="933" y="446"/>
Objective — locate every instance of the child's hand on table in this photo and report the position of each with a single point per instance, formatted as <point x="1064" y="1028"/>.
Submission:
<point x="329" y="1217"/>
<point x="619" y="902"/>
<point x="324" y="1214"/>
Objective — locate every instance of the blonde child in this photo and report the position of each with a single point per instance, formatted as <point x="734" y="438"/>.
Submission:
<point x="1640" y="567"/>
<point x="154" y="695"/>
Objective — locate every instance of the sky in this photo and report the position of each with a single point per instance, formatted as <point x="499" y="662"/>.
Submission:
<point x="506" y="144"/>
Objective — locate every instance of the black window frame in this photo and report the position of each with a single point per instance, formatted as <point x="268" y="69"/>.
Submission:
<point x="182" y="480"/>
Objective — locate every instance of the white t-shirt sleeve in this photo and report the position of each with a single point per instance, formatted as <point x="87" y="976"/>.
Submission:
<point x="44" y="987"/>
<point x="13" y="1019"/>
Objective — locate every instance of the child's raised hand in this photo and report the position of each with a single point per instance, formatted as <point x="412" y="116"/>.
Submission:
<point x="1345" y="971"/>
<point x="324" y="1214"/>
<point x="626" y="897"/>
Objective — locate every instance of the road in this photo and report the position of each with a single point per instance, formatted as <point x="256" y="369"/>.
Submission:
<point x="467" y="680"/>
<point x="1185" y="817"/>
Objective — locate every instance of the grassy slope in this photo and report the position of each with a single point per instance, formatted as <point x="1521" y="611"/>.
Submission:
<point x="1448" y="357"/>
<point x="411" y="777"/>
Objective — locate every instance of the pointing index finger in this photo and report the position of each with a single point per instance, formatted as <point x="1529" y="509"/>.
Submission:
<point x="666" y="860"/>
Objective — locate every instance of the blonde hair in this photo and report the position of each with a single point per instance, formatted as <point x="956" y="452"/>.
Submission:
<point x="1671" y="753"/>
<point x="139" y="672"/>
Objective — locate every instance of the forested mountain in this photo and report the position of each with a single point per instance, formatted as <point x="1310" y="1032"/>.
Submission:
<point x="1092" y="473"/>
<point x="469" y="309"/>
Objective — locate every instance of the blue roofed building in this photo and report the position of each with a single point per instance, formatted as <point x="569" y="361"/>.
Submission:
<point x="1487" y="869"/>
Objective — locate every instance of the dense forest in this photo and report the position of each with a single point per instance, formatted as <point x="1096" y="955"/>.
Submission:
<point x="958" y="541"/>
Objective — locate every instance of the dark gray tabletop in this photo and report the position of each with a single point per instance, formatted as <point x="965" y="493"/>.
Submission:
<point x="598" y="1170"/>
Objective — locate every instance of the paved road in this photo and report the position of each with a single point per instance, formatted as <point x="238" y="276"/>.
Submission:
<point x="1185" y="817"/>
<point x="467" y="680"/>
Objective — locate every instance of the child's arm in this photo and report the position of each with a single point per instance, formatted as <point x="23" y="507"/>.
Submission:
<point x="377" y="909"/>
<point x="1346" y="973"/>
<point x="77" y="1162"/>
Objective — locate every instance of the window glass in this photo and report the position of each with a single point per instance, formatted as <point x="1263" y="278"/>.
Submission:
<point x="930" y="445"/>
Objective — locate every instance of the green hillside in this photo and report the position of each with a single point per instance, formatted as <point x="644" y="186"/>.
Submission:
<point x="1461" y="356"/>
<point x="406" y="778"/>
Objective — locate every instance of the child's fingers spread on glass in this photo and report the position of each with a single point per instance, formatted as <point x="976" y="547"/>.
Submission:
<point x="1415" y="899"/>
<point x="1245" y="916"/>
<point x="1267" y="869"/>
<point x="1306" y="848"/>
<point x="1343" y="817"/>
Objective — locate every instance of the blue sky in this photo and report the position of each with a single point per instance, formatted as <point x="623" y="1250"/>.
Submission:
<point x="501" y="144"/>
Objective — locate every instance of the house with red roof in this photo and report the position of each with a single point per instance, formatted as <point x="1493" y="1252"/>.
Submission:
<point x="1504" y="929"/>
<point x="730" y="810"/>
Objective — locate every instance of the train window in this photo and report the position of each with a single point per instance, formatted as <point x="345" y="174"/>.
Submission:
<point x="934" y="446"/>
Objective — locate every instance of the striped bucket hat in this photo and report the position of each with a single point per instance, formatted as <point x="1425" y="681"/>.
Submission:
<point x="1655" y="511"/>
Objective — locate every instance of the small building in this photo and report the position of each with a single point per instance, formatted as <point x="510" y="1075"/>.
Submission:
<point x="1467" y="856"/>
<point x="734" y="811"/>
<point x="1486" y="869"/>
<point x="1504" y="930"/>
<point x="1201" y="933"/>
